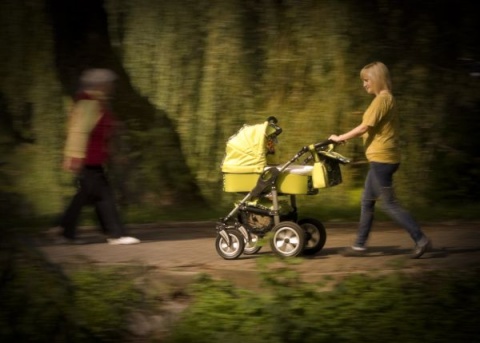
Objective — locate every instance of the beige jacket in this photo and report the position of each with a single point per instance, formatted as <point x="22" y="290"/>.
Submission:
<point x="83" y="117"/>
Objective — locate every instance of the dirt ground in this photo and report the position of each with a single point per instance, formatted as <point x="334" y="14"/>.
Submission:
<point x="180" y="251"/>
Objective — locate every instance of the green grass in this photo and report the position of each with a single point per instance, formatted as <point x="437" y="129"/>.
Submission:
<point x="431" y="307"/>
<point x="42" y="302"/>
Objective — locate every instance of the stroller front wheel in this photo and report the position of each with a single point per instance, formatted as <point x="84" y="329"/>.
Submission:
<point x="253" y="246"/>
<point x="233" y="247"/>
<point x="288" y="239"/>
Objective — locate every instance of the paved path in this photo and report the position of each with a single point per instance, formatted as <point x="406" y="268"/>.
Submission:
<point x="189" y="248"/>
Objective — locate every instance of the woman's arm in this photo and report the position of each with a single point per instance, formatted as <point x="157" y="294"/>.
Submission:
<point x="355" y="132"/>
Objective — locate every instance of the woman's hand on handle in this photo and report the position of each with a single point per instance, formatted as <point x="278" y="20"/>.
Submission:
<point x="355" y="132"/>
<point x="335" y="139"/>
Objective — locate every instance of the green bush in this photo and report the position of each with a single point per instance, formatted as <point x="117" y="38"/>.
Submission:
<point x="427" y="307"/>
<point x="40" y="303"/>
<point x="102" y="300"/>
<point x="35" y="298"/>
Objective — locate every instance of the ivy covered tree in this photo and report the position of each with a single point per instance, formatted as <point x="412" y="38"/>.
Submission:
<point x="193" y="72"/>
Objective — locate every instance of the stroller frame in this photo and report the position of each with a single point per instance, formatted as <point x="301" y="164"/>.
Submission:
<point x="290" y="237"/>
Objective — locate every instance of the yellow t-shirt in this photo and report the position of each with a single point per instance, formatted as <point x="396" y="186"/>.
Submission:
<point x="381" y="140"/>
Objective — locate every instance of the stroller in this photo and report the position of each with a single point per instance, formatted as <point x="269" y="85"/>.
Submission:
<point x="269" y="205"/>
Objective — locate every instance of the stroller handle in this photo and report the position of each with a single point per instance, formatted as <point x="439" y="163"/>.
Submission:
<point x="324" y="143"/>
<point x="324" y="148"/>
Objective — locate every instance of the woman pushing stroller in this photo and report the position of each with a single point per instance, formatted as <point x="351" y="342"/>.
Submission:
<point x="380" y="131"/>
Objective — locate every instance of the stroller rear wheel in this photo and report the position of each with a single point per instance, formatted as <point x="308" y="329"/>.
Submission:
<point x="232" y="247"/>
<point x="288" y="239"/>
<point x="315" y="235"/>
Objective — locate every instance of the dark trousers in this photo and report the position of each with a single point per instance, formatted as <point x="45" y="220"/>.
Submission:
<point x="93" y="189"/>
<point x="379" y="185"/>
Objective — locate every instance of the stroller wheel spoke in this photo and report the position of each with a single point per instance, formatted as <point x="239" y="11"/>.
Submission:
<point x="290" y="247"/>
<point x="294" y="241"/>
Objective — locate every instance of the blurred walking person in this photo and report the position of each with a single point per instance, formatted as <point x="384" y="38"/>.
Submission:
<point x="380" y="131"/>
<point x="87" y="150"/>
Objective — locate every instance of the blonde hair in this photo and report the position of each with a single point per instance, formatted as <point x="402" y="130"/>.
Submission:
<point x="379" y="74"/>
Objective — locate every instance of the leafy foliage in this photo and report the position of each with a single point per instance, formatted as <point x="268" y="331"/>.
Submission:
<point x="39" y="303"/>
<point x="192" y="72"/>
<point x="35" y="298"/>
<point x="102" y="300"/>
<point x="429" y="307"/>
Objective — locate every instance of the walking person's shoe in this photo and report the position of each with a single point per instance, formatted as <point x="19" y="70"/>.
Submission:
<point x="72" y="241"/>
<point x="123" y="240"/>
<point x="354" y="250"/>
<point x="59" y="238"/>
<point x="422" y="247"/>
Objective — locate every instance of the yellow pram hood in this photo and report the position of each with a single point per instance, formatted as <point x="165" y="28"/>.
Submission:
<point x="246" y="150"/>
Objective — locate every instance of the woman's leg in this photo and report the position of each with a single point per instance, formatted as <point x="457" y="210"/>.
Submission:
<point x="369" y="196"/>
<point x="384" y="175"/>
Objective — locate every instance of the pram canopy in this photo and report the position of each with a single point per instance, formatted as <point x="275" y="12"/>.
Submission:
<point x="246" y="151"/>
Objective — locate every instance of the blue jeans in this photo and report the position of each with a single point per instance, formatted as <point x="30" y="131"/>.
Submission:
<point x="379" y="185"/>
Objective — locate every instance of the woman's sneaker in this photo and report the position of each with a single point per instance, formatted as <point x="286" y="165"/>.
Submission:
<point x="422" y="247"/>
<point x="354" y="250"/>
<point x="123" y="240"/>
